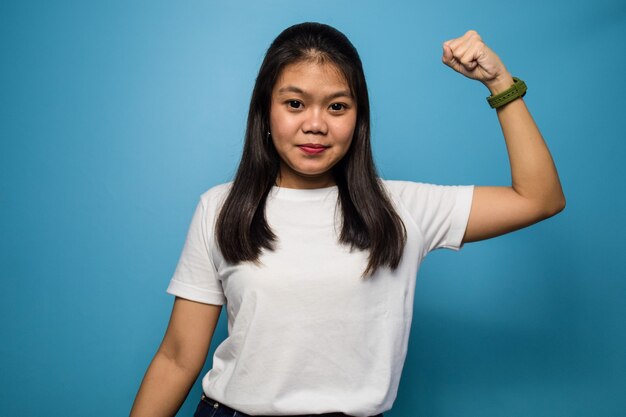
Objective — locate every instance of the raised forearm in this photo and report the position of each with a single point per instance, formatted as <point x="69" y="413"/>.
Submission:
<point x="164" y="388"/>
<point x="533" y="173"/>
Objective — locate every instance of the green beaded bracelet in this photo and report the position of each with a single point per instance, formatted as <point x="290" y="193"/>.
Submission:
<point x="517" y="90"/>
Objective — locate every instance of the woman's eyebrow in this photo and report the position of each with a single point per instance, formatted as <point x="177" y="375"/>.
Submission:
<point x="291" y="89"/>
<point x="294" y="89"/>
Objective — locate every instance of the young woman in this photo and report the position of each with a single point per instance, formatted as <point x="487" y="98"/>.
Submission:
<point x="314" y="256"/>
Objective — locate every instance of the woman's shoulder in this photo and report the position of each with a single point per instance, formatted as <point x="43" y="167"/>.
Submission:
<point x="403" y="186"/>
<point x="415" y="186"/>
<point x="216" y="194"/>
<point x="412" y="192"/>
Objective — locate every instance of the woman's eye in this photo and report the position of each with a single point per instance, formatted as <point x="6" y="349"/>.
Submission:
<point x="337" y="107"/>
<point x="295" y="104"/>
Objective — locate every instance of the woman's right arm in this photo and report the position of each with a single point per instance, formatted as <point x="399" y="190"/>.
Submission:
<point x="178" y="361"/>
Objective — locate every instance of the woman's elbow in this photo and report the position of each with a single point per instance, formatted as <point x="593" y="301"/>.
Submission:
<point x="554" y="206"/>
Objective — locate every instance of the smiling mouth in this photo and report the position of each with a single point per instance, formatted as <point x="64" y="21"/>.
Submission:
<point x="313" y="148"/>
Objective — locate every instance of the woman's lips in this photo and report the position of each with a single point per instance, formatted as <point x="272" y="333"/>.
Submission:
<point x="312" y="148"/>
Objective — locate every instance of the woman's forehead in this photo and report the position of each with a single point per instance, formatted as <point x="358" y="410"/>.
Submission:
<point x="312" y="76"/>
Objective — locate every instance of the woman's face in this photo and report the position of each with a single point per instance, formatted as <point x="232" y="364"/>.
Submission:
<point x="312" y="120"/>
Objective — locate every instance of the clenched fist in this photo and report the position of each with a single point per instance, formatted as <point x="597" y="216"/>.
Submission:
<point x="470" y="56"/>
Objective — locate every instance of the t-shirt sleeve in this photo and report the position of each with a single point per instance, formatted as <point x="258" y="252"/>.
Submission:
<point x="196" y="277"/>
<point x="441" y="212"/>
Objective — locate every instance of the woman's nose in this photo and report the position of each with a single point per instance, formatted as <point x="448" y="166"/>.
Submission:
<point x="315" y="122"/>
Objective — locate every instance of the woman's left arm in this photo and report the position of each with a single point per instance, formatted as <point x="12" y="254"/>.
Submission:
<point x="535" y="192"/>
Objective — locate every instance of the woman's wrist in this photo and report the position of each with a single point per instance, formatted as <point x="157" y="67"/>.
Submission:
<point x="499" y="84"/>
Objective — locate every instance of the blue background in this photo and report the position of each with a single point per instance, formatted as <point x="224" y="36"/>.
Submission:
<point x="115" y="116"/>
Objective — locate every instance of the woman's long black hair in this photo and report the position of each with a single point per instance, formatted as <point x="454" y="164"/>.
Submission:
<point x="369" y="219"/>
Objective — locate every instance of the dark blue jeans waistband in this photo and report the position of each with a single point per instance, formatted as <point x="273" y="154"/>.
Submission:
<point x="211" y="408"/>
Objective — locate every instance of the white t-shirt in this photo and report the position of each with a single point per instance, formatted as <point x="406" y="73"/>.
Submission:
<point x="306" y="333"/>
